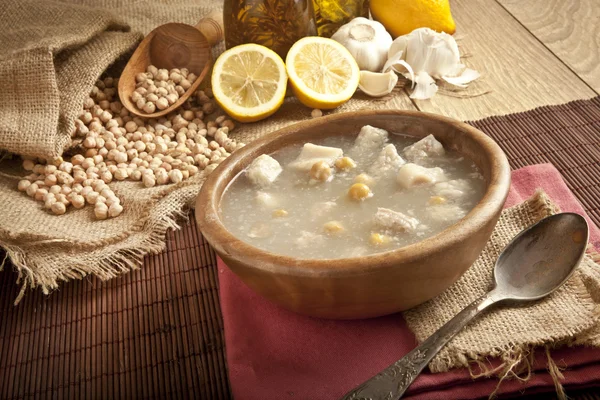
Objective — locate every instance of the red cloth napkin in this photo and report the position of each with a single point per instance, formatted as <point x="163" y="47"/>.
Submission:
<point x="275" y="354"/>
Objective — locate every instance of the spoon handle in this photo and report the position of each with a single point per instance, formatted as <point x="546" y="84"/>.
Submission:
<point x="392" y="382"/>
<point x="211" y="27"/>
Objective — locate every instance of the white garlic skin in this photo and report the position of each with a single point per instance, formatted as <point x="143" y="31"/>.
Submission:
<point x="427" y="50"/>
<point x="367" y="41"/>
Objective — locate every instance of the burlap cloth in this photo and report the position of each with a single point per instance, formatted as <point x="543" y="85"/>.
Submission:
<point x="51" y="53"/>
<point x="568" y="316"/>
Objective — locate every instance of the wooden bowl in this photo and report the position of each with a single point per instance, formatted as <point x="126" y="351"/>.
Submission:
<point x="372" y="285"/>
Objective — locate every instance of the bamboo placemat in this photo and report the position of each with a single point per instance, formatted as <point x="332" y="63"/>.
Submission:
<point x="566" y="135"/>
<point x="158" y="332"/>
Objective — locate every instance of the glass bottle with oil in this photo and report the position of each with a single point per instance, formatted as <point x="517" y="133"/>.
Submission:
<point x="331" y="14"/>
<point x="276" y="24"/>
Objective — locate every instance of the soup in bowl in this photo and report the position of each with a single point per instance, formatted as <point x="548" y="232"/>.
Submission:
<point x="356" y="215"/>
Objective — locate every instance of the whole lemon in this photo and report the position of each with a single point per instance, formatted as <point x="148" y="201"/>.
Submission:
<point x="401" y="17"/>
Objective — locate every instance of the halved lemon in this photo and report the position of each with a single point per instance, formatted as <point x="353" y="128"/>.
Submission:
<point x="322" y="72"/>
<point x="249" y="82"/>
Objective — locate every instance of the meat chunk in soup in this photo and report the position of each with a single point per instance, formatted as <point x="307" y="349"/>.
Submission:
<point x="394" y="221"/>
<point x="446" y="212"/>
<point x="411" y="175"/>
<point x="263" y="171"/>
<point x="312" y="153"/>
<point x="369" y="139"/>
<point x="265" y="200"/>
<point x="426" y="147"/>
<point x="453" y="189"/>
<point x="388" y="160"/>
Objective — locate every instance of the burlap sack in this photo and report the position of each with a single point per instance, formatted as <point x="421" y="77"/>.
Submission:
<point x="50" y="56"/>
<point x="47" y="249"/>
<point x="511" y="333"/>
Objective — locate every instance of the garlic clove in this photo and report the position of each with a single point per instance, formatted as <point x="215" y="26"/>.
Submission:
<point x="392" y="59"/>
<point x="377" y="84"/>
<point x="396" y="64"/>
<point x="398" y="45"/>
<point x="467" y="76"/>
<point x="425" y="86"/>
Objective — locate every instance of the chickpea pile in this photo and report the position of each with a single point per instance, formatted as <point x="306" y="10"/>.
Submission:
<point x="110" y="144"/>
<point x="160" y="88"/>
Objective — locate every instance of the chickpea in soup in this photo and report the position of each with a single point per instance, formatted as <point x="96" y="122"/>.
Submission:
<point x="350" y="196"/>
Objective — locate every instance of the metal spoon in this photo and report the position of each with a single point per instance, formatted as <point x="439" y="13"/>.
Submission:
<point x="533" y="265"/>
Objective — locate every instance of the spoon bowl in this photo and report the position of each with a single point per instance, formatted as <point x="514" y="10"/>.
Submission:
<point x="540" y="259"/>
<point x="169" y="46"/>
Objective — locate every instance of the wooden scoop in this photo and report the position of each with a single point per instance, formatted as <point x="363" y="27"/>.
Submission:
<point x="173" y="45"/>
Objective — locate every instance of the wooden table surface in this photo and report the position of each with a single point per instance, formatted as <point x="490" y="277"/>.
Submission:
<point x="530" y="53"/>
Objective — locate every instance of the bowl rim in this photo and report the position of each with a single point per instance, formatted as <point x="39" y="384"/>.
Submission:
<point x="224" y="242"/>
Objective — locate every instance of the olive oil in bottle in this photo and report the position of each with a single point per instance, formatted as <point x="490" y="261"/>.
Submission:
<point x="331" y="14"/>
<point x="276" y="24"/>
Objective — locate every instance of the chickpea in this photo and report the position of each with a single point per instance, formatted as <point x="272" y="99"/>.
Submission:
<point x="175" y="175"/>
<point x="141" y="77"/>
<point x="58" y="208"/>
<point x="359" y="192"/>
<point x="172" y="98"/>
<point x="364" y="178"/>
<point x="78" y="201"/>
<point x="345" y="164"/>
<point x="378" y="239"/>
<point x="148" y="180"/>
<point x="32" y="189"/>
<point x="162" y="75"/>
<point x="115" y="210"/>
<point x="49" y="202"/>
<point x="28" y="165"/>
<point x="162" y="103"/>
<point x="333" y="228"/>
<point x="436" y="200"/>
<point x="50" y="180"/>
<point x="280" y="213"/>
<point x="23" y="185"/>
<point x="40" y="194"/>
<point x="101" y="210"/>
<point x="320" y="171"/>
<point x="149" y="107"/>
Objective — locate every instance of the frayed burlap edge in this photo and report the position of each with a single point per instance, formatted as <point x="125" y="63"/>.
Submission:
<point x="517" y="361"/>
<point x="30" y="239"/>
<point x="116" y="262"/>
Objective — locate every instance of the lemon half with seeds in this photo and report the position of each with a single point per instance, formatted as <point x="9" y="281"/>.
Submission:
<point x="249" y="82"/>
<point x="322" y="72"/>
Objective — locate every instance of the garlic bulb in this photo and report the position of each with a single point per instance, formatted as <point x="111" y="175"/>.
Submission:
<point x="377" y="84"/>
<point x="428" y="55"/>
<point x="367" y="41"/>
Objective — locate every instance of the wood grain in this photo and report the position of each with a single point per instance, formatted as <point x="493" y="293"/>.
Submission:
<point x="570" y="29"/>
<point x="518" y="72"/>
